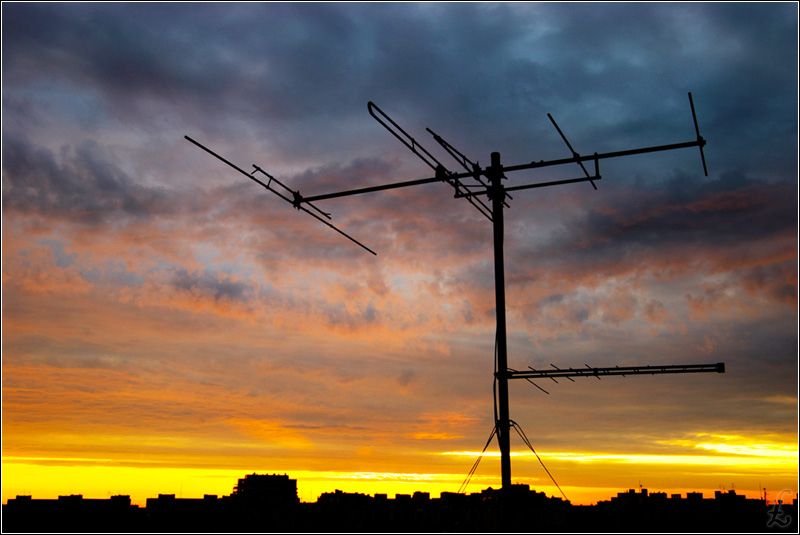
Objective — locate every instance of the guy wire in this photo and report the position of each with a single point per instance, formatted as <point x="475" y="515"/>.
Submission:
<point x="463" y="486"/>
<point x="522" y="435"/>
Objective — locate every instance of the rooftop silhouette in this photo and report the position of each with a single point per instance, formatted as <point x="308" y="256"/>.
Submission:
<point x="270" y="503"/>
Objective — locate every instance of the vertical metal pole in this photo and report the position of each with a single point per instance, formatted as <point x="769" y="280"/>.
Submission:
<point x="503" y="423"/>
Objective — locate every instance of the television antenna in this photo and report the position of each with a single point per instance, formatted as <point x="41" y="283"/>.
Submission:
<point x="474" y="184"/>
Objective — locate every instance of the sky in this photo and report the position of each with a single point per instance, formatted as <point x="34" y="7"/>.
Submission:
<point x="169" y="326"/>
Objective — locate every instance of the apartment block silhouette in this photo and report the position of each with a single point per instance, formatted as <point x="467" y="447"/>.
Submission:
<point x="269" y="503"/>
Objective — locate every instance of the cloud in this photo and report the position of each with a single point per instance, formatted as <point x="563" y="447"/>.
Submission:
<point x="665" y="228"/>
<point x="220" y="287"/>
<point x="83" y="184"/>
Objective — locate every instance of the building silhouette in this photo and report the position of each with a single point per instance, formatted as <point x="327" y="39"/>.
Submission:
<point x="70" y="513"/>
<point x="269" y="503"/>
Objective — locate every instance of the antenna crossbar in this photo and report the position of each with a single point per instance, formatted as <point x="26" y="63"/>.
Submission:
<point x="617" y="370"/>
<point x="510" y="168"/>
<point x="382" y="187"/>
<point x="601" y="156"/>
<point x="536" y="185"/>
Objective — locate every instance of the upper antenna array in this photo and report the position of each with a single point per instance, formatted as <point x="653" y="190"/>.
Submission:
<point x="475" y="172"/>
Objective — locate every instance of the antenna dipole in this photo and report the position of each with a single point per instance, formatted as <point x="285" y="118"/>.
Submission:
<point x="295" y="201"/>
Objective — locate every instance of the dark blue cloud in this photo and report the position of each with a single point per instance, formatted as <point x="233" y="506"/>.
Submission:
<point x="483" y="74"/>
<point x="219" y="288"/>
<point x="81" y="184"/>
<point x="676" y="217"/>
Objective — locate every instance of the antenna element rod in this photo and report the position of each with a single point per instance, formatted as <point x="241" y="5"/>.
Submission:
<point x="293" y="202"/>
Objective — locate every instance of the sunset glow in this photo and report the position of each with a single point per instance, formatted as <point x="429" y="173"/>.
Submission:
<point x="169" y="326"/>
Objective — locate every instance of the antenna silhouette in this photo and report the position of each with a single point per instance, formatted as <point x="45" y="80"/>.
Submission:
<point x="295" y="201"/>
<point x="474" y="184"/>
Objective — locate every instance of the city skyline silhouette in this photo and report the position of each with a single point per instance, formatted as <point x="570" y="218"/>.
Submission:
<point x="270" y="502"/>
